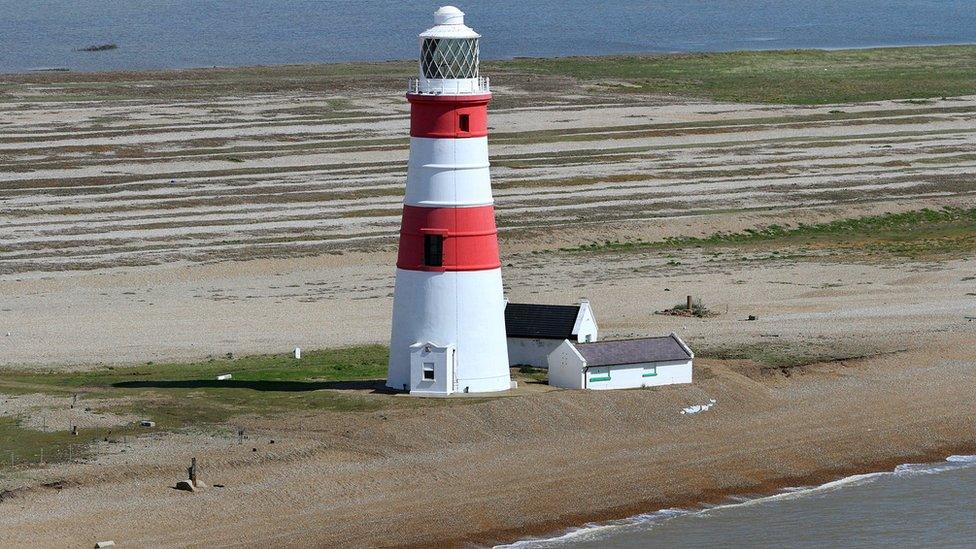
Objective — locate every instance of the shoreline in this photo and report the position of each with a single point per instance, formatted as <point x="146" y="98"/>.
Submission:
<point x="504" y="538"/>
<point x="68" y="70"/>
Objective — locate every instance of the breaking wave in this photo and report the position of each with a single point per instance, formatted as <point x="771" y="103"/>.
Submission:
<point x="593" y="531"/>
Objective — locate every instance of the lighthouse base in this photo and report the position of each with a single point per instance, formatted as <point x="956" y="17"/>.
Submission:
<point x="461" y="310"/>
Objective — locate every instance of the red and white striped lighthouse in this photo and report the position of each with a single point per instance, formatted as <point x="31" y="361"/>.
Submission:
<point x="448" y="310"/>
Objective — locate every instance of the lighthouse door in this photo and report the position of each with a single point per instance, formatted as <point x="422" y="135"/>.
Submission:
<point x="432" y="369"/>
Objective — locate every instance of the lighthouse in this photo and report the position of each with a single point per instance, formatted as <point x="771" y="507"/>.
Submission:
<point x="448" y="331"/>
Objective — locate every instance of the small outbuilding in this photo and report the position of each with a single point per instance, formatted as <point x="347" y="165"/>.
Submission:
<point x="432" y="369"/>
<point x="534" y="331"/>
<point x="621" y="364"/>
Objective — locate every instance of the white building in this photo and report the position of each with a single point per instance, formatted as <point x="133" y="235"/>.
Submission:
<point x="622" y="364"/>
<point x="534" y="331"/>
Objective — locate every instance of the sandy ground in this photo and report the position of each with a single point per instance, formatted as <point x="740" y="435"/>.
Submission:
<point x="48" y="413"/>
<point x="170" y="221"/>
<point x="491" y="471"/>
<point x="98" y="184"/>
<point x="150" y="231"/>
<point x="194" y="311"/>
<point x="539" y="461"/>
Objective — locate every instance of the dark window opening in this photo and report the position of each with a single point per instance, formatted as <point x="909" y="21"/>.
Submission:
<point x="428" y="370"/>
<point x="463" y="123"/>
<point x="433" y="250"/>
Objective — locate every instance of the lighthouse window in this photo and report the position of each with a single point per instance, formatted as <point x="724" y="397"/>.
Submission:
<point x="449" y="57"/>
<point x="463" y="123"/>
<point x="433" y="250"/>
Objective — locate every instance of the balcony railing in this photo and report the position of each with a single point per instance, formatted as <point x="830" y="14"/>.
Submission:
<point x="451" y="86"/>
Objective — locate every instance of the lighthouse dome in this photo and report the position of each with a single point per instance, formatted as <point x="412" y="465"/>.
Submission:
<point x="449" y="23"/>
<point x="448" y="15"/>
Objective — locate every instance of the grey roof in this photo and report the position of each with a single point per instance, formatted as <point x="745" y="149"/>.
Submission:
<point x="633" y="351"/>
<point x="540" y="321"/>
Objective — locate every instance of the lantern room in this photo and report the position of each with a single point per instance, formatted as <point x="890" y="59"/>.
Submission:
<point x="449" y="57"/>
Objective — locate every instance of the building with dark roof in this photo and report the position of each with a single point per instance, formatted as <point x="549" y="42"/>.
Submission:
<point x="622" y="364"/>
<point x="534" y="330"/>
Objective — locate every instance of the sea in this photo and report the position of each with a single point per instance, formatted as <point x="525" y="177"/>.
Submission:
<point x="162" y="34"/>
<point x="916" y="505"/>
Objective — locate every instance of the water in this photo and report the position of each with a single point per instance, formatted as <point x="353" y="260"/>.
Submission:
<point x="155" y="34"/>
<point x="930" y="505"/>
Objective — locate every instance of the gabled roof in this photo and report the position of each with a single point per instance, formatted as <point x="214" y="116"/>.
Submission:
<point x="540" y="321"/>
<point x="634" y="351"/>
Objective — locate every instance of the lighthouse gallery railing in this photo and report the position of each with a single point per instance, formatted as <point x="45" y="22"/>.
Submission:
<point x="449" y="86"/>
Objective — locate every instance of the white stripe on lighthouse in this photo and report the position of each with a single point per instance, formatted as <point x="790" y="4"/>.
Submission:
<point x="464" y="308"/>
<point x="446" y="172"/>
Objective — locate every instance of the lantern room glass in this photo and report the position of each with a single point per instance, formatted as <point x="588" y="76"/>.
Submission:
<point x="449" y="58"/>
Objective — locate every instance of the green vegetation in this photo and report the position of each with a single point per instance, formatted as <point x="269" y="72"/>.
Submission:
<point x="19" y="445"/>
<point x="768" y="354"/>
<point x="697" y="309"/>
<point x="787" y="76"/>
<point x="540" y="375"/>
<point x="188" y="395"/>
<point x="264" y="372"/>
<point x="918" y="234"/>
<point x="783" y="356"/>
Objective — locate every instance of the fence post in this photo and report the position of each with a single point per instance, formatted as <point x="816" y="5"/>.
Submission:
<point x="193" y="471"/>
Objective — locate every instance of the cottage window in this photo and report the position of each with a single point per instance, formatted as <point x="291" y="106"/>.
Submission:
<point x="434" y="250"/>
<point x="428" y="371"/>
<point x="650" y="371"/>
<point x="600" y="374"/>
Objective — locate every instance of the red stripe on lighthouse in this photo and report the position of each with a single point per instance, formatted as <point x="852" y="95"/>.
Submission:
<point x="452" y="116"/>
<point x="470" y="239"/>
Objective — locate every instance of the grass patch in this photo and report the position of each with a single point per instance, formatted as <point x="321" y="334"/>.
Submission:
<point x="181" y="394"/>
<point x="20" y="446"/>
<point x="346" y="364"/>
<point x="916" y="234"/>
<point x="785" y="76"/>
<point x="187" y="395"/>
<point x="775" y="356"/>
<point x="697" y="309"/>
<point x="536" y="374"/>
<point x="769" y="354"/>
